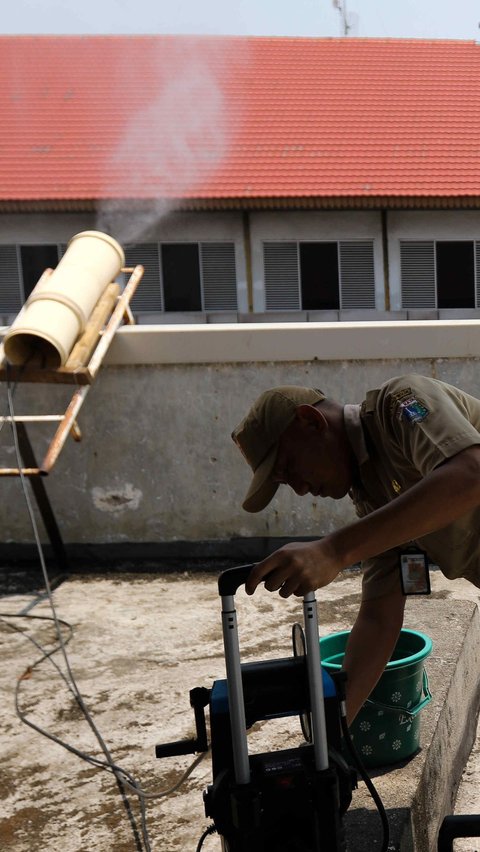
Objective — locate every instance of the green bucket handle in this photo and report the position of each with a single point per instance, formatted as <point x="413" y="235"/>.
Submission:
<point x="411" y="712"/>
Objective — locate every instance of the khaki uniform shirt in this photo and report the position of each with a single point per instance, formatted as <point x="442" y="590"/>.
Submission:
<point x="401" y="432"/>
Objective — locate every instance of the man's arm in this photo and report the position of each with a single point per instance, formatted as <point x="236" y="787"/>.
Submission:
<point x="370" y="645"/>
<point x="445" y="494"/>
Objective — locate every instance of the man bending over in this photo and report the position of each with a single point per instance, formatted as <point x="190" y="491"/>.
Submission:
<point x="409" y="458"/>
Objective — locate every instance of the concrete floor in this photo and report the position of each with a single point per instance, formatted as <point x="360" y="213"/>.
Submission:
<point x="140" y="643"/>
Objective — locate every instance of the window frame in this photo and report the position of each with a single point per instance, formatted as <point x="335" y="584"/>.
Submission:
<point x="269" y="264"/>
<point x="406" y="285"/>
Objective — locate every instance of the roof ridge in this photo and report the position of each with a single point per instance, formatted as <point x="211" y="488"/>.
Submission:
<point x="346" y="40"/>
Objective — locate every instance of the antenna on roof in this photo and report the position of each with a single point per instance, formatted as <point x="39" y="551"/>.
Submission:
<point x="341" y="5"/>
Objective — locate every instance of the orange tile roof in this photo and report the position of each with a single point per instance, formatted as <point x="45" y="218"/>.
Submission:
<point x="209" y="117"/>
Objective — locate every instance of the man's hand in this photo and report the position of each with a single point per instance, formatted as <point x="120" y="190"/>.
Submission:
<point x="299" y="568"/>
<point x="296" y="569"/>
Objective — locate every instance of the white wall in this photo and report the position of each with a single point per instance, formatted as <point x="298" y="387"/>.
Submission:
<point x="43" y="227"/>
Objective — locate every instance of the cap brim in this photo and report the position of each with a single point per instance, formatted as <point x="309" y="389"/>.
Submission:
<point x="262" y="488"/>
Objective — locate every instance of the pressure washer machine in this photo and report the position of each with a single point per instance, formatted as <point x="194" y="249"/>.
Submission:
<point x="292" y="800"/>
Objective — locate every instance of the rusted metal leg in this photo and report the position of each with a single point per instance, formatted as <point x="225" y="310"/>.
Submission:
<point x="42" y="500"/>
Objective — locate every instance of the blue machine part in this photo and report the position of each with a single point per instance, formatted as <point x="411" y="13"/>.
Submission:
<point x="219" y="697"/>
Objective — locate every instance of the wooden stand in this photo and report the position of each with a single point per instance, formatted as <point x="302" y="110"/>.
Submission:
<point x="111" y="311"/>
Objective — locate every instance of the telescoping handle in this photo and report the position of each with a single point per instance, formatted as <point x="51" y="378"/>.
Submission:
<point x="233" y="578"/>
<point x="228" y="583"/>
<point x="315" y="682"/>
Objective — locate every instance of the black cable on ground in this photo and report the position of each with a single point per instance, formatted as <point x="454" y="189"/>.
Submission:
<point x="128" y="780"/>
<point x="76" y="692"/>
<point x="123" y="778"/>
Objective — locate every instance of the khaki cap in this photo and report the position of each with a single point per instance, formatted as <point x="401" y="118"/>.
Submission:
<point x="258" y="434"/>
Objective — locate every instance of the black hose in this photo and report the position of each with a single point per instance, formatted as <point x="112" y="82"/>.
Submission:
<point x="210" y="830"/>
<point x="369" y="783"/>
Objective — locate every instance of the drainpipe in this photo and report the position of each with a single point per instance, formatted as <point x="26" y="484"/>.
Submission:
<point x="247" y="247"/>
<point x="386" y="266"/>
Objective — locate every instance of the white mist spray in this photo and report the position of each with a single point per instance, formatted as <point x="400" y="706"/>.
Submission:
<point x="174" y="142"/>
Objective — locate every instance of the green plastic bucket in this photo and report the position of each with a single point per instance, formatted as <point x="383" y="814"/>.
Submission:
<point x="387" y="728"/>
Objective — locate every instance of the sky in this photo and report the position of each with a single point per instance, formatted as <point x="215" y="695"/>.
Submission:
<point x="363" y="18"/>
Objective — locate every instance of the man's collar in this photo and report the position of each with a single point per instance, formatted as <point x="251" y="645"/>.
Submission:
<point x="353" y="426"/>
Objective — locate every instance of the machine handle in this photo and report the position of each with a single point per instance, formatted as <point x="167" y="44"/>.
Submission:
<point x="231" y="579"/>
<point x="177" y="747"/>
<point x="199" y="699"/>
<point x="457" y="825"/>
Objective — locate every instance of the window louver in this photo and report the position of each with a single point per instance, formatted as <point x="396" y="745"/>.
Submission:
<point x="219" y="276"/>
<point x="282" y="282"/>
<point x="10" y="291"/>
<point x="418" y="274"/>
<point x="477" y="274"/>
<point x="357" y="276"/>
<point x="148" y="296"/>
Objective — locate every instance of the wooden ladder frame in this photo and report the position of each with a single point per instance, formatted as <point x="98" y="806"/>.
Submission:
<point x="81" y="376"/>
<point x="94" y="344"/>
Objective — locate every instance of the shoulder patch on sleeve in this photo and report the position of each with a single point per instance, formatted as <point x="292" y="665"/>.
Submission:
<point x="411" y="409"/>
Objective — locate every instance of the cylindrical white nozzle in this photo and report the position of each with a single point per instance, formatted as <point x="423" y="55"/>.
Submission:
<point x="58" y="308"/>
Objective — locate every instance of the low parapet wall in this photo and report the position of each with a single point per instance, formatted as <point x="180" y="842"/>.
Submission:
<point x="157" y="464"/>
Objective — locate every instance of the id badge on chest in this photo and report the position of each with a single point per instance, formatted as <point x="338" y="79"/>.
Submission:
<point x="414" y="574"/>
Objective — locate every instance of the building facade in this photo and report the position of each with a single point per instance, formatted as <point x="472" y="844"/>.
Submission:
<point x="271" y="266"/>
<point x="254" y="178"/>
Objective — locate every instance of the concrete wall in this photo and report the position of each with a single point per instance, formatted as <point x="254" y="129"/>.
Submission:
<point x="157" y="462"/>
